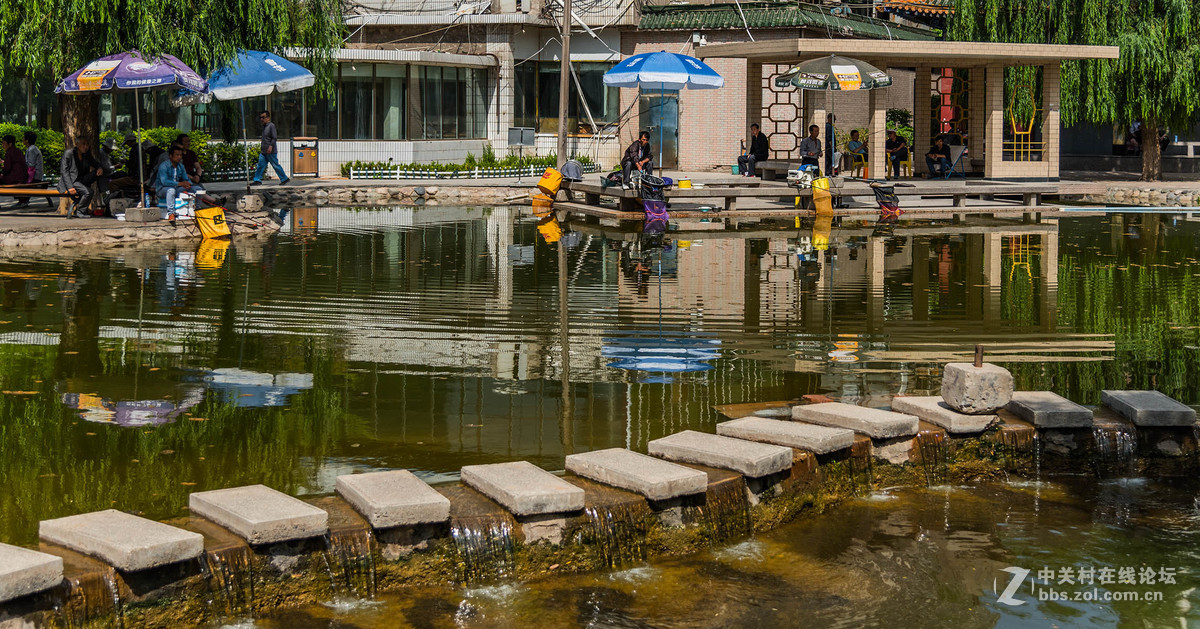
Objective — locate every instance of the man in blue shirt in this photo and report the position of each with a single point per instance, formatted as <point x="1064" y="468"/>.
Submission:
<point x="172" y="178"/>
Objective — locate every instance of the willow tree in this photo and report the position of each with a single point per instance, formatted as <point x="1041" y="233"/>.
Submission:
<point x="52" y="38"/>
<point x="1156" y="80"/>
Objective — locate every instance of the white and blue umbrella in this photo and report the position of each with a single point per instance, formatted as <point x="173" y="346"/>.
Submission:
<point x="250" y="74"/>
<point x="666" y="71"/>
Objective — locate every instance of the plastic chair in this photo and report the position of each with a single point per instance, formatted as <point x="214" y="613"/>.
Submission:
<point x="858" y="161"/>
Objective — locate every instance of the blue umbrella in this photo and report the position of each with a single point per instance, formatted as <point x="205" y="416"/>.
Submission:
<point x="253" y="73"/>
<point x="668" y="71"/>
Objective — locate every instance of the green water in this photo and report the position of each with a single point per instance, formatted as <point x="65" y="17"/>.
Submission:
<point x="431" y="338"/>
<point x="908" y="558"/>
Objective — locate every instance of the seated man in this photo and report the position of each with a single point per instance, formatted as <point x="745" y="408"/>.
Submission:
<point x="856" y="149"/>
<point x="78" y="171"/>
<point x="637" y="156"/>
<point x="810" y="147"/>
<point x="897" y="151"/>
<point x="759" y="151"/>
<point x="172" y="178"/>
<point x="938" y="158"/>
<point x="191" y="161"/>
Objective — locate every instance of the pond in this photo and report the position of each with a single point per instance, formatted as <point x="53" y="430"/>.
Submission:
<point x="432" y="338"/>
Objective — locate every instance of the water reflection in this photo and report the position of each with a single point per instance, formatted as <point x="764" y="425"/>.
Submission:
<point x="436" y="337"/>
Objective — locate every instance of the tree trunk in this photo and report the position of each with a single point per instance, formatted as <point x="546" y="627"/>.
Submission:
<point x="80" y="118"/>
<point x="1151" y="150"/>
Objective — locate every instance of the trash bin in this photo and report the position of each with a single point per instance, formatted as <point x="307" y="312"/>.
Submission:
<point x="304" y="157"/>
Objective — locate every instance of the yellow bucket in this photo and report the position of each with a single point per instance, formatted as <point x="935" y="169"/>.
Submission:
<point x="685" y="184"/>
<point x="550" y="183"/>
<point x="212" y="222"/>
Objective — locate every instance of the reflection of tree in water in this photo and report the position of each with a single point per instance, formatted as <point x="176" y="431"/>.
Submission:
<point x="79" y="341"/>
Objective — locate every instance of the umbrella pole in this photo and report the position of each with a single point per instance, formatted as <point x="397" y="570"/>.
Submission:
<point x="137" y="120"/>
<point x="662" y="119"/>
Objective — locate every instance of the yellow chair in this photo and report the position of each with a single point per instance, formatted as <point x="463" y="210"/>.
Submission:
<point x="858" y="162"/>
<point x="905" y="167"/>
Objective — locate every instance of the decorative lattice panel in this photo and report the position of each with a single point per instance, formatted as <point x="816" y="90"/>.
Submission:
<point x="950" y="107"/>
<point x="782" y="115"/>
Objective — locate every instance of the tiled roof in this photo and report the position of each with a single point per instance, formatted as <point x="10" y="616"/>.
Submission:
<point x="922" y="7"/>
<point x="773" y="15"/>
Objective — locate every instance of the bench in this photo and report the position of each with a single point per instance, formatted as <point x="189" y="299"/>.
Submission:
<point x="628" y="199"/>
<point x="771" y="169"/>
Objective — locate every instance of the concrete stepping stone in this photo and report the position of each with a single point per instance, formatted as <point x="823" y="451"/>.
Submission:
<point x="935" y="410"/>
<point x="125" y="541"/>
<point x="872" y="422"/>
<point x="524" y="488"/>
<point x="818" y="439"/>
<point x="653" y="478"/>
<point x="24" y="572"/>
<point x="259" y="514"/>
<point x="1149" y="408"/>
<point x="393" y="498"/>
<point x="748" y="458"/>
<point x="1046" y="409"/>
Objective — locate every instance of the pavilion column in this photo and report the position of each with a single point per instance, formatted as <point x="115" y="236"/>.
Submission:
<point x="993" y="144"/>
<point x="976" y="106"/>
<point x="754" y="100"/>
<point x="1051" y="125"/>
<point x="922" y="117"/>
<point x="876" y="155"/>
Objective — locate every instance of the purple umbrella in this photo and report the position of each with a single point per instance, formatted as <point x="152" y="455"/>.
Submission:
<point x="129" y="71"/>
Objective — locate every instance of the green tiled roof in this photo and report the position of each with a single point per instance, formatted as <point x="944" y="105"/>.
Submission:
<point x="772" y="15"/>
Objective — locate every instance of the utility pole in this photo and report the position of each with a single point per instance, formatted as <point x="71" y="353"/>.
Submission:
<point x="564" y="83"/>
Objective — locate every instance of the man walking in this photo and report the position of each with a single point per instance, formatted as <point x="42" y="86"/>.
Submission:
<point x="759" y="152"/>
<point x="268" y="153"/>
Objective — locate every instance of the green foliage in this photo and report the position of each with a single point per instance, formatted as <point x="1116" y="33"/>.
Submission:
<point x="471" y="163"/>
<point x="900" y="121"/>
<point x="214" y="156"/>
<point x="56" y="37"/>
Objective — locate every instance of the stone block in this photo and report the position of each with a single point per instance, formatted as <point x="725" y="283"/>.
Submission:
<point x="976" y="390"/>
<point x="1149" y="408"/>
<point x="1045" y="409"/>
<point x="394" y="498"/>
<point x="819" y="439"/>
<point x="24" y="572"/>
<point x="524" y="488"/>
<point x="653" y="478"/>
<point x="142" y="214"/>
<point x="745" y="457"/>
<point x="125" y="541"/>
<point x="874" y="423"/>
<point x="935" y="410"/>
<point x="259" y="514"/>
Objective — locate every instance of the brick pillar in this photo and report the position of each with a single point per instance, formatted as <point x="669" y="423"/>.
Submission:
<point x="994" y="131"/>
<point x="1051" y="125"/>
<point x="754" y="99"/>
<point x="976" y="111"/>
<point x="876" y="155"/>
<point x="501" y="101"/>
<point x="922" y="116"/>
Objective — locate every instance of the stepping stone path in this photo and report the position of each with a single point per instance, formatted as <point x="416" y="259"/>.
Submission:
<point x="259" y="514"/>
<point x="935" y="410"/>
<point x="524" y="488"/>
<point x="818" y="439"/>
<point x="395" y="498"/>
<point x="125" y="541"/>
<point x="1149" y="408"/>
<point x="653" y="478"/>
<point x="872" y="422"/>
<point x="24" y="572"/>
<point x="976" y="390"/>
<point x="748" y="458"/>
<point x="1049" y="410"/>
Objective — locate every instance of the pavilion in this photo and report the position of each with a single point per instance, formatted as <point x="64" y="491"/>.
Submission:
<point x="962" y="99"/>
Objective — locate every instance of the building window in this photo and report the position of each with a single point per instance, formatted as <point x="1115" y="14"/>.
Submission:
<point x="536" y="98"/>
<point x="356" y="85"/>
<point x="391" y="88"/>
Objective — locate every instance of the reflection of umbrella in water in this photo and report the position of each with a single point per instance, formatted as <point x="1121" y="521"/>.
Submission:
<point x="131" y="413"/>
<point x="242" y="387"/>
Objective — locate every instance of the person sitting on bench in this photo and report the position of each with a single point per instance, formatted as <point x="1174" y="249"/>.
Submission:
<point x="637" y="156"/>
<point x="79" y="170"/>
<point x="810" y="147"/>
<point x="760" y="151"/>
<point x="34" y="164"/>
<point x="14" y="172"/>
<point x="938" y="158"/>
<point x="172" y="178"/>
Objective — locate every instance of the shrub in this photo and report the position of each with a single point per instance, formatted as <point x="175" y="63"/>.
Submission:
<point x="49" y="140"/>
